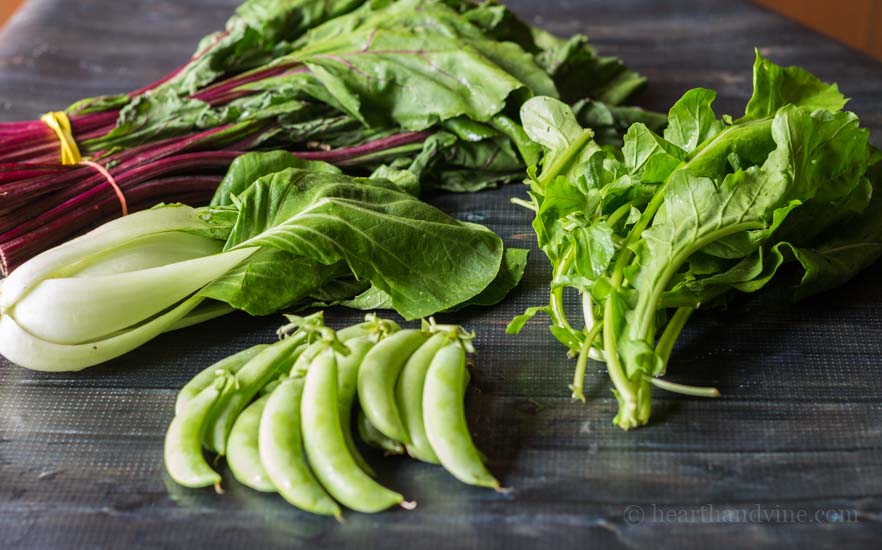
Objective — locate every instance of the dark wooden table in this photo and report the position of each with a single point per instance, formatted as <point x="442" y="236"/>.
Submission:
<point x="790" y="455"/>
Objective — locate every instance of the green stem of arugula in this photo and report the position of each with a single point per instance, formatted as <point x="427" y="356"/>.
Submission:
<point x="563" y="162"/>
<point x="671" y="333"/>
<point x="524" y="204"/>
<point x="644" y="311"/>
<point x="558" y="315"/>
<point x="695" y="391"/>
<point x="578" y="387"/>
<point x="626" y="389"/>
<point x="587" y="311"/>
<point x="618" y="214"/>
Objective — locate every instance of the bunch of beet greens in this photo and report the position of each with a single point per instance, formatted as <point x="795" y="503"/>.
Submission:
<point x="421" y="92"/>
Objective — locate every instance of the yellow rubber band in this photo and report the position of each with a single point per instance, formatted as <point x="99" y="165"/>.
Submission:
<point x="59" y="123"/>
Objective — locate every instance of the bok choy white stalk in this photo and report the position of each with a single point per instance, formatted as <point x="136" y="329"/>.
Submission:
<point x="108" y="292"/>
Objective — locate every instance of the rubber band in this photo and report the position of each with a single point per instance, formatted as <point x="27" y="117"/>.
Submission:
<point x="104" y="172"/>
<point x="59" y="123"/>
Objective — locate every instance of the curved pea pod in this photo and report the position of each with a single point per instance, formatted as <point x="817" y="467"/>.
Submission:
<point x="281" y="451"/>
<point x="409" y="395"/>
<point x="347" y="384"/>
<point x="445" y="421"/>
<point x="231" y="364"/>
<point x="183" y="441"/>
<point x="243" y="455"/>
<point x="273" y="360"/>
<point x="326" y="448"/>
<point x="372" y="436"/>
<point x="377" y="378"/>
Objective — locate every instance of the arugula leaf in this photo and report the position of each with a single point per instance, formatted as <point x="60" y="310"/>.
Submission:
<point x="775" y="86"/>
<point x="652" y="230"/>
<point x="692" y="120"/>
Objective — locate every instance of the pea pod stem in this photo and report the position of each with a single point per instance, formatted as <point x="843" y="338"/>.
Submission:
<point x="230" y="365"/>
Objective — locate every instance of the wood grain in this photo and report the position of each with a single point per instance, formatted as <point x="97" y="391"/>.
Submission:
<point x="799" y="426"/>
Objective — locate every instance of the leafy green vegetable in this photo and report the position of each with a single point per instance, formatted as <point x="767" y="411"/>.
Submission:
<point x="340" y="73"/>
<point x="649" y="232"/>
<point x="290" y="238"/>
<point x="422" y="92"/>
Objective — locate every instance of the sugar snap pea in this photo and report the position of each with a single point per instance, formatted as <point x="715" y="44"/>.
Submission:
<point x="377" y="377"/>
<point x="372" y="436"/>
<point x="280" y="443"/>
<point x="409" y="395"/>
<point x="444" y="417"/>
<point x="243" y="455"/>
<point x="273" y="360"/>
<point x="347" y="384"/>
<point x="231" y="364"/>
<point x="183" y="441"/>
<point x="326" y="448"/>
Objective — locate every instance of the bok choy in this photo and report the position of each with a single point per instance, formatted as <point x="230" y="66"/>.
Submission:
<point x="291" y="238"/>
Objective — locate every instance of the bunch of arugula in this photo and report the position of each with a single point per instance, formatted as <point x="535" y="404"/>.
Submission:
<point x="648" y="232"/>
<point x="421" y="92"/>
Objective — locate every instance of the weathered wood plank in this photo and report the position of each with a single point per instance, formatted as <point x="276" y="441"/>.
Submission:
<point x="798" y="426"/>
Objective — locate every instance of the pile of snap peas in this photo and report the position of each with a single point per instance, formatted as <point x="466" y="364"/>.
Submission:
<point x="282" y="413"/>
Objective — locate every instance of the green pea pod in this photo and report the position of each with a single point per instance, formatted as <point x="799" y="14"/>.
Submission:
<point x="444" y="417"/>
<point x="281" y="451"/>
<point x="377" y="377"/>
<point x="347" y="384"/>
<point x="243" y="455"/>
<point x="326" y="447"/>
<point x="409" y="395"/>
<point x="272" y="361"/>
<point x="231" y="364"/>
<point x="372" y="436"/>
<point x="183" y="441"/>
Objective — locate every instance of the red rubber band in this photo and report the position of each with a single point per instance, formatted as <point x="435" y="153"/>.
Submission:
<point x="104" y="172"/>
